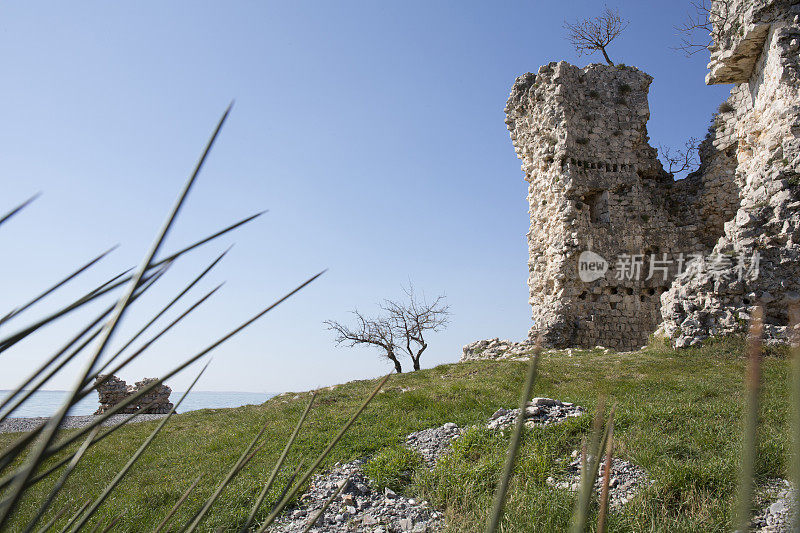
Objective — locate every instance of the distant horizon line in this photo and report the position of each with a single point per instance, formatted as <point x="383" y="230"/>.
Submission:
<point x="174" y="391"/>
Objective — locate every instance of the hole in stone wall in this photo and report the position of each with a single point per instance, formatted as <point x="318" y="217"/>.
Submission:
<point x="629" y="291"/>
<point x="582" y="295"/>
<point x="598" y="207"/>
<point x="651" y="292"/>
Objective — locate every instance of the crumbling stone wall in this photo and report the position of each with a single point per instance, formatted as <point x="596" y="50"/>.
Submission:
<point x="596" y="185"/>
<point x="115" y="390"/>
<point x="757" y="49"/>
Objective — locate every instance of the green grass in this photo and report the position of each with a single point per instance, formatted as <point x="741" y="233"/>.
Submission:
<point x="393" y="468"/>
<point x="678" y="416"/>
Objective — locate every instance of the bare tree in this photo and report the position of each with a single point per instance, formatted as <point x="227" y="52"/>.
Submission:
<point x="709" y="19"/>
<point x="593" y="35"/>
<point x="677" y="161"/>
<point x="376" y="332"/>
<point x="402" y="329"/>
<point x="413" y="319"/>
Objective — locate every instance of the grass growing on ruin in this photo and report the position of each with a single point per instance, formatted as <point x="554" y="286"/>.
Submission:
<point x="678" y="416"/>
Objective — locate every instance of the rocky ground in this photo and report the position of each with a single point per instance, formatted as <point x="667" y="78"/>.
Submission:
<point x="625" y="479"/>
<point x="432" y="443"/>
<point x="776" y="502"/>
<point x="540" y="411"/>
<point x="361" y="508"/>
<point x="496" y="349"/>
<point x="506" y="350"/>
<point x="16" y="425"/>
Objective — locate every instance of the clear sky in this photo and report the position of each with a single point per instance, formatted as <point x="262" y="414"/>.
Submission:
<point x="372" y="131"/>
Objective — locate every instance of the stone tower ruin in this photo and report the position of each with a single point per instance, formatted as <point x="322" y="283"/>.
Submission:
<point x="618" y="249"/>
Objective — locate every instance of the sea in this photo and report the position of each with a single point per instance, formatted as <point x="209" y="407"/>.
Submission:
<point x="45" y="403"/>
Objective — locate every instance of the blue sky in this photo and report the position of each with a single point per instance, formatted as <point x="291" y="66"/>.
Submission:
<point x="372" y="131"/>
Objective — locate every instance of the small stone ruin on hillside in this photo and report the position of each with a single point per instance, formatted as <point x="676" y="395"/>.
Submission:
<point x="619" y="249"/>
<point x="115" y="390"/>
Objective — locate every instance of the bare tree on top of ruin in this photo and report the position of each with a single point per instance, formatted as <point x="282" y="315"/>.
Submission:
<point x="595" y="34"/>
<point x="708" y="19"/>
<point x="412" y="320"/>
<point x="676" y="161"/>
<point x="400" y="330"/>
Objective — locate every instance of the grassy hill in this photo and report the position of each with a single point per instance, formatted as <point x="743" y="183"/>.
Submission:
<point x="678" y="417"/>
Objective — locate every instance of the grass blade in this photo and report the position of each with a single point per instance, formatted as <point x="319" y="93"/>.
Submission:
<point x="277" y="467"/>
<point x="108" y="286"/>
<point x="511" y="456"/>
<point x="750" y="434"/>
<point x="19" y="208"/>
<point x="171" y="257"/>
<point x="55" y="287"/>
<point x="289" y="483"/>
<point x="48" y="433"/>
<point x="134" y="397"/>
<point x="53" y="520"/>
<point x="24" y="389"/>
<point x="601" y="518"/>
<point x="66" y="360"/>
<point x="111" y="524"/>
<point x="45" y="505"/>
<point x="103" y="289"/>
<point x="590" y="464"/>
<point x="38" y="477"/>
<point x="92" y="386"/>
<point x="161" y="313"/>
<point x="285" y="500"/>
<point x="11" y="451"/>
<point x="325" y="506"/>
<point x="135" y="457"/>
<point x="177" y="505"/>
<point x="228" y="478"/>
<point x="77" y="514"/>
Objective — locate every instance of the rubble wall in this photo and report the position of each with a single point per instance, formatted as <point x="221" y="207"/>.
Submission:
<point x="757" y="49"/>
<point x="595" y="184"/>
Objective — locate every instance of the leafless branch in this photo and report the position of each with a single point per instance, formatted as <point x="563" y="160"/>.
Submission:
<point x="401" y="329"/>
<point x="413" y="319"/>
<point x="704" y="26"/>
<point x="677" y="161"/>
<point x="376" y="332"/>
<point x="593" y="35"/>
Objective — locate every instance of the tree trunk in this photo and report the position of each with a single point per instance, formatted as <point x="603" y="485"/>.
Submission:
<point x="397" y="366"/>
<point x="416" y="358"/>
<point x="606" y="56"/>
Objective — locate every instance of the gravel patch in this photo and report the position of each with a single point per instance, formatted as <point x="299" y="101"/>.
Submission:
<point x="497" y="349"/>
<point x="540" y="411"/>
<point x="626" y="478"/>
<point x="359" y="507"/>
<point x="432" y="443"/>
<point x="775" y="516"/>
<point x="16" y="425"/>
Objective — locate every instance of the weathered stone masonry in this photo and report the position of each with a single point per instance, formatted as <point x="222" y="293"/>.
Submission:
<point x="595" y="184"/>
<point x="114" y="390"/>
